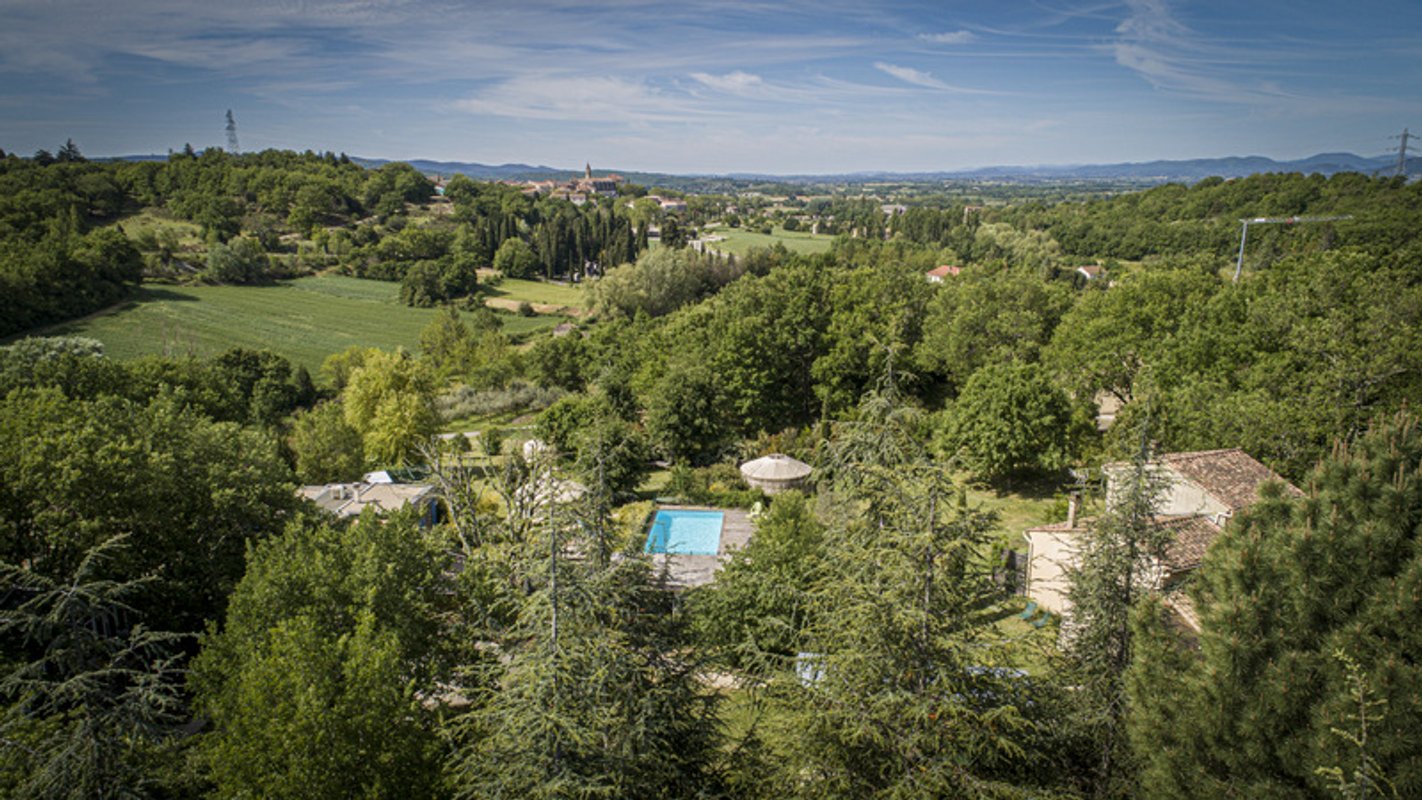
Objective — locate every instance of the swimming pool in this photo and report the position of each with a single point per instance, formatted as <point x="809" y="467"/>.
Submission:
<point x="685" y="532"/>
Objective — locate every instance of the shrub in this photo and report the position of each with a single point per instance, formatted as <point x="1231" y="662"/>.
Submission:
<point x="466" y="401"/>
<point x="717" y="485"/>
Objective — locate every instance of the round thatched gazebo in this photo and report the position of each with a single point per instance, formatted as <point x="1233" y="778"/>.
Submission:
<point x="775" y="473"/>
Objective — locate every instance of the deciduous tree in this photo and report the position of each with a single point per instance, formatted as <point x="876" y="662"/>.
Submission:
<point x="314" y="684"/>
<point x="326" y="447"/>
<point x="389" y="400"/>
<point x="1010" y="420"/>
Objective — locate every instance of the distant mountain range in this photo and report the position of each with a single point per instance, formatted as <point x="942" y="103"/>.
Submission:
<point x="1146" y="172"/>
<point x="1191" y="169"/>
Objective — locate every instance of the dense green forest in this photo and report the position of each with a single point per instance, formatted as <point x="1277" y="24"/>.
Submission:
<point x="176" y="623"/>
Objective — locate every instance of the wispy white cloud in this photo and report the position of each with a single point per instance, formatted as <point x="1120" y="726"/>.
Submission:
<point x="911" y="75"/>
<point x="950" y="37"/>
<point x="1155" y="45"/>
<point x="925" y="79"/>
<point x="736" y="82"/>
<point x="553" y="78"/>
<point x="589" y="99"/>
<point x="222" y="54"/>
<point x="739" y="90"/>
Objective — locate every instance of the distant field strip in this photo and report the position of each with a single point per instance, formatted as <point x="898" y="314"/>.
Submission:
<point x="304" y="320"/>
<point x="738" y="241"/>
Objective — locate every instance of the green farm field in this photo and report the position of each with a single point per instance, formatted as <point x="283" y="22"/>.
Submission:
<point x="738" y="241"/>
<point x="304" y="320"/>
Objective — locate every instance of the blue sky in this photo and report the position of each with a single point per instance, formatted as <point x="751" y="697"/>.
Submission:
<point x="782" y="87"/>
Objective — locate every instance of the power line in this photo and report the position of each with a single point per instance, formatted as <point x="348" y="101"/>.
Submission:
<point x="1244" y="231"/>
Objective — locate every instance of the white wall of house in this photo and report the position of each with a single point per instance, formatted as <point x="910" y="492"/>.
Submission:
<point x="1184" y="498"/>
<point x="1051" y="554"/>
<point x="1179" y="497"/>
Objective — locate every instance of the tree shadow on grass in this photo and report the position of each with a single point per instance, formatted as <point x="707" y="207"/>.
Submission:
<point x="1038" y="486"/>
<point x="154" y="294"/>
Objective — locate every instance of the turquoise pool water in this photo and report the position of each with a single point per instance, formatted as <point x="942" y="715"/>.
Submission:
<point x="686" y="533"/>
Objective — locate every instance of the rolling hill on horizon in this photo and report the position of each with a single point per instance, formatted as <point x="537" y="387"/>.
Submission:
<point x="1158" y="170"/>
<point x="1143" y="172"/>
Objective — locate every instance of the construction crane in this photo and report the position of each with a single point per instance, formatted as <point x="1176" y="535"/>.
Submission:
<point x="1244" y="231"/>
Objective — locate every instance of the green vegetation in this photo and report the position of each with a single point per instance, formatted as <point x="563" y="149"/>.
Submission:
<point x="755" y="614"/>
<point x="304" y="320"/>
<point x="77" y="236"/>
<point x="660" y="282"/>
<point x="158" y="568"/>
<point x="322" y="639"/>
<point x="194" y="490"/>
<point x="158" y="226"/>
<point x="738" y="241"/>
<point x="1010" y="420"/>
<point x="1019" y="507"/>
<point x="540" y="293"/>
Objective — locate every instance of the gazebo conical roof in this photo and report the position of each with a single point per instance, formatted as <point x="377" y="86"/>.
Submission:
<point x="776" y="467"/>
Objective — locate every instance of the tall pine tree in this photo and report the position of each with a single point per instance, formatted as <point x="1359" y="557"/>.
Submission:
<point x="1257" y="711"/>
<point x="1114" y="573"/>
<point x="905" y="689"/>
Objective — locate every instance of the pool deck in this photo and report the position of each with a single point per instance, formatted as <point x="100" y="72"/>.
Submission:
<point x="684" y="572"/>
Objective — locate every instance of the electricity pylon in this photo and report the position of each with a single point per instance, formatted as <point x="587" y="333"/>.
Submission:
<point x="231" y="133"/>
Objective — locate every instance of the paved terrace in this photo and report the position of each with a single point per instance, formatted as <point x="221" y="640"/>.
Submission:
<point x="684" y="572"/>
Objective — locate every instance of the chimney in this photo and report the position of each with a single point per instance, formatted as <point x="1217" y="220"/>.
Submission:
<point x="1072" y="500"/>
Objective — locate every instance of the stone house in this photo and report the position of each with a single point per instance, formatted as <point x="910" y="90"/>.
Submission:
<point x="1199" y="492"/>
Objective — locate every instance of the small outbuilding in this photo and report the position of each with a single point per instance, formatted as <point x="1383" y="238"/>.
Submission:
<point x="775" y="473"/>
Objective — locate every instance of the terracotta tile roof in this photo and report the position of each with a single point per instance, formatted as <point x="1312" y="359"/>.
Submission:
<point x="944" y="271"/>
<point x="1193" y="536"/>
<point x="1230" y="475"/>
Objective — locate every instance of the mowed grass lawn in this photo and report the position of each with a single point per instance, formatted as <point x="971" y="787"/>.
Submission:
<point x="739" y="241"/>
<point x="538" y="292"/>
<point x="304" y="320"/>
